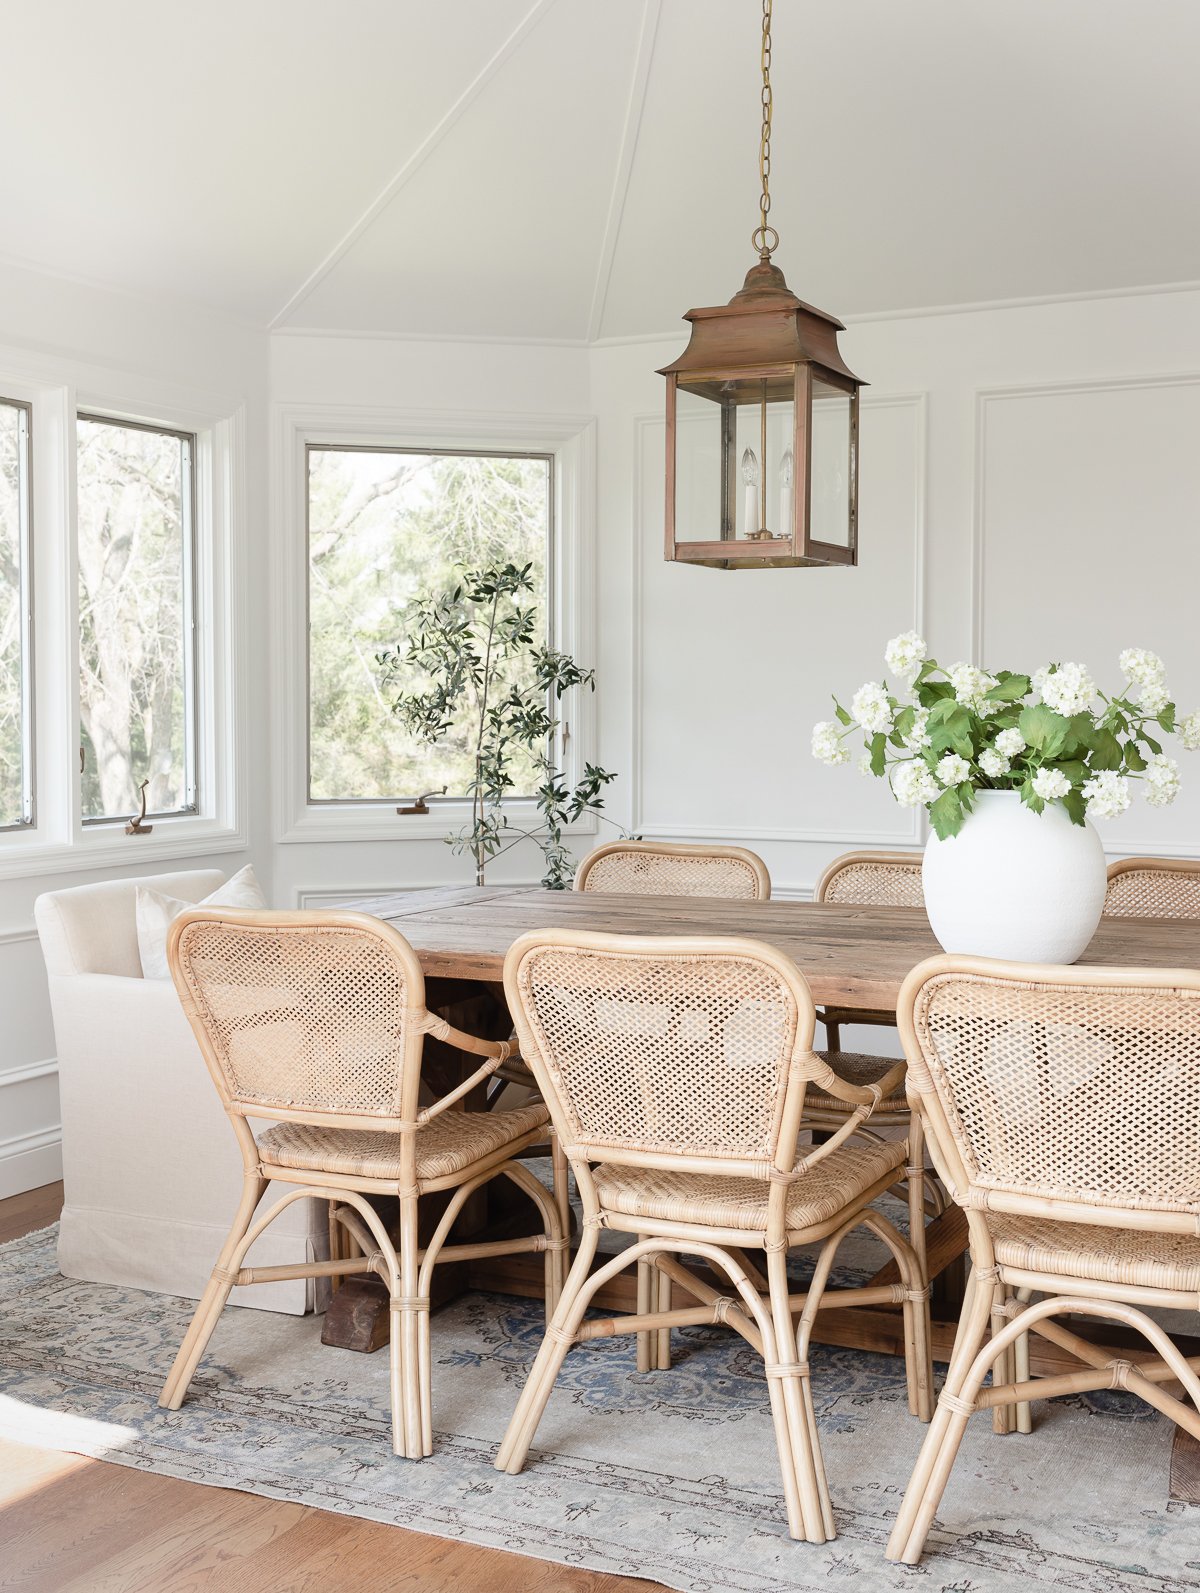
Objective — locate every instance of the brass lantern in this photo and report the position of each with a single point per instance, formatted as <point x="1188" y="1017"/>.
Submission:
<point x="762" y="421"/>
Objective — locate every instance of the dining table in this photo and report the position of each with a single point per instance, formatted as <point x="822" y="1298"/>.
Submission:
<point x="854" y="958"/>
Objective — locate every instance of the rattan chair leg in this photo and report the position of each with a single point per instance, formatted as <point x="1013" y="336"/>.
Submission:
<point x="972" y="1334"/>
<point x="1020" y="1358"/>
<point x="514" y="1446"/>
<point x="663" y="1303"/>
<point x="407" y="1398"/>
<point x="338" y="1248"/>
<point x="647" y="1343"/>
<point x="562" y="1187"/>
<point x="916" y="1191"/>
<point x="212" y="1302"/>
<point x="552" y="1224"/>
<point x="797" y="1439"/>
<point x="1002" y="1368"/>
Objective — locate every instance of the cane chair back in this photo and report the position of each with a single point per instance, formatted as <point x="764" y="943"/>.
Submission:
<point x="1074" y="1090"/>
<point x="1153" y="887"/>
<point x="685" y="1051"/>
<point x="311" y="1017"/>
<point x="651" y="868"/>
<point x="872" y="879"/>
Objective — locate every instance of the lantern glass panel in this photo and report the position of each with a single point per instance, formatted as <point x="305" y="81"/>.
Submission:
<point x="734" y="467"/>
<point x="832" y="465"/>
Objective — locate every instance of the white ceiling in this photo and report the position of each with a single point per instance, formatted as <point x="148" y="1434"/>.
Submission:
<point x="574" y="169"/>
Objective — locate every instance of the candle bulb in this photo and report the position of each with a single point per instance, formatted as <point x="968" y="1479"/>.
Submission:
<point x="750" y="478"/>
<point x="786" y="477"/>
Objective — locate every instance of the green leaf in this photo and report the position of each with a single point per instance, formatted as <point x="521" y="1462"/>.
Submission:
<point x="1167" y="718"/>
<point x="1076" y="807"/>
<point x="878" y="753"/>
<point x="1133" y="758"/>
<point x="1043" y="729"/>
<point x="946" y="814"/>
<point x="1008" y="688"/>
<point x="1155" y="746"/>
<point x="843" y="716"/>
<point x="1030" y="797"/>
<point x="902" y="725"/>
<point x="1106" y="751"/>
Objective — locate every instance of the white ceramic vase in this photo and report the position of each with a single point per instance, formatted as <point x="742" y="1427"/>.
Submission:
<point x="1012" y="883"/>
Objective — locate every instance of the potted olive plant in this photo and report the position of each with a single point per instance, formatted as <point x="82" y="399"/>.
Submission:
<point x="481" y="670"/>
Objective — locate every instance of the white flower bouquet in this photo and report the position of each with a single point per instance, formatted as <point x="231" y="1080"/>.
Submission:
<point x="945" y="734"/>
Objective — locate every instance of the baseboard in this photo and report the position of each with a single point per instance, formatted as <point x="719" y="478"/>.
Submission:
<point x="30" y="1160"/>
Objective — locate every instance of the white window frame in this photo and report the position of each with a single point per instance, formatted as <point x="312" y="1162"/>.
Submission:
<point x="570" y="441"/>
<point x="28" y="819"/>
<point x="59" y="842"/>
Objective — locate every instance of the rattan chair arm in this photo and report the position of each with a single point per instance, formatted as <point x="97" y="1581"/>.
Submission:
<point x="430" y="1023"/>
<point x="852" y="1124"/>
<point x="868" y="1095"/>
<point x="465" y="1088"/>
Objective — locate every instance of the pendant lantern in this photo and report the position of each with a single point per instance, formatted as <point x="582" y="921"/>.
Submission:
<point x="762" y="420"/>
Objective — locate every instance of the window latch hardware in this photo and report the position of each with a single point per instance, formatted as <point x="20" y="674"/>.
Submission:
<point x="137" y="825"/>
<point x="421" y="805"/>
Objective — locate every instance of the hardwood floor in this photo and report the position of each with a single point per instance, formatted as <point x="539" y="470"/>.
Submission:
<point x="69" y="1525"/>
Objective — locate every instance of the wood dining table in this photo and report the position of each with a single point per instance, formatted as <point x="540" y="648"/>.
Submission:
<point x="854" y="958"/>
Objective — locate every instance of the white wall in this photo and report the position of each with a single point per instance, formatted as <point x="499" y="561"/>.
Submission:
<point x="1030" y="491"/>
<point x="118" y="337"/>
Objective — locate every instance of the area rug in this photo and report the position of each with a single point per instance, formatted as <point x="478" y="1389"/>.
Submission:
<point x="670" y="1475"/>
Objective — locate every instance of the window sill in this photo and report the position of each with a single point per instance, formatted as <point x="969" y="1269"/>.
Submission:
<point x="109" y="847"/>
<point x="348" y="822"/>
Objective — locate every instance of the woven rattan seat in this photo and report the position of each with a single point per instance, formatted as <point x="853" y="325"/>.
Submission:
<point x="717" y="1202"/>
<point x="858" y="1069"/>
<point x="449" y="1144"/>
<point x="1106" y="1255"/>
<point x="653" y="868"/>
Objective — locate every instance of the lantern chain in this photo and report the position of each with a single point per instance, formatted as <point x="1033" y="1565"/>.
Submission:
<point x="764" y="230"/>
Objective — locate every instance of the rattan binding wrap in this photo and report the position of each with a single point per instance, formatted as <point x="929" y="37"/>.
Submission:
<point x="1153" y="887"/>
<point x="651" y="868"/>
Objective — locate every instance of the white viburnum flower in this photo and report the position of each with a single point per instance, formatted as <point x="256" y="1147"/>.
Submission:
<point x="1153" y="697"/>
<point x="918" y="735"/>
<point x="970" y="685"/>
<point x="1140" y="667"/>
<point x="1010" y="743"/>
<point x="953" y="769"/>
<point x="1106" y="795"/>
<point x="993" y="763"/>
<point x="913" y="784"/>
<point x="1069" y="689"/>
<point x="871" y="708"/>
<point x="864" y="763"/>
<point x="1051" y="783"/>
<point x="904" y="655"/>
<point x="1189" y="729"/>
<point x="827" y="744"/>
<point x="1162" y="778"/>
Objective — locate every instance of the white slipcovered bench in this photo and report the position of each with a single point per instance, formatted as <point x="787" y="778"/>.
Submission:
<point x="151" y="1168"/>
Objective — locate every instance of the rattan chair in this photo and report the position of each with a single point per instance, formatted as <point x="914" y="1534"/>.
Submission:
<point x="675" y="1072"/>
<point x="655" y="868"/>
<point x="1153" y="887"/>
<point x="876" y="879"/>
<point x="317" y="1022"/>
<point x="1061" y="1106"/>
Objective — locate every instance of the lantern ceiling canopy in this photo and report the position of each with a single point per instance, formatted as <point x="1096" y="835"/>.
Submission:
<point x="762" y="420"/>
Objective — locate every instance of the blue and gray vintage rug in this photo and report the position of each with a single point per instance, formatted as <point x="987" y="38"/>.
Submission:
<point x="669" y="1476"/>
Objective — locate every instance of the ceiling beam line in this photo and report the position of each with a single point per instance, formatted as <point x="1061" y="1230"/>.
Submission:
<point x="639" y="83"/>
<point x="414" y="162"/>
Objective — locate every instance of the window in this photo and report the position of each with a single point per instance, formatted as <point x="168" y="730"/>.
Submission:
<point x="16" y="665"/>
<point x="384" y="525"/>
<point x="137" y="648"/>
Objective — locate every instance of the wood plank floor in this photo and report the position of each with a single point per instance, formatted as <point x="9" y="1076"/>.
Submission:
<point x="69" y="1525"/>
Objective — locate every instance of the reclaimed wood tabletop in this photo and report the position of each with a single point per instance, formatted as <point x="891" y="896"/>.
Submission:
<point x="853" y="957"/>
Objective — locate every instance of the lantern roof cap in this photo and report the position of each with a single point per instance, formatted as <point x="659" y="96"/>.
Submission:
<point x="798" y="332"/>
